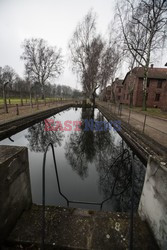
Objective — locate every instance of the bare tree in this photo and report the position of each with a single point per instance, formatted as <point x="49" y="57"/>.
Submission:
<point x="111" y="58"/>
<point x="91" y="77"/>
<point x="42" y="62"/>
<point x="93" y="59"/>
<point x="7" y="76"/>
<point x="81" y="46"/>
<point x="143" y="24"/>
<point x="20" y="83"/>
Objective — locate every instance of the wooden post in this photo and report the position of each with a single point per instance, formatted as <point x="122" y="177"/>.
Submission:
<point x="17" y="109"/>
<point x="37" y="103"/>
<point x="129" y="116"/>
<point x="144" y="123"/>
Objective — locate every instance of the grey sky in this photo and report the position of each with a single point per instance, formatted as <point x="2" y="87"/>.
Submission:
<point x="53" y="20"/>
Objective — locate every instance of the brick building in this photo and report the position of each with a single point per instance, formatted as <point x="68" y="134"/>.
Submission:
<point x="105" y="94"/>
<point x="156" y="87"/>
<point x="113" y="92"/>
<point x="116" y="90"/>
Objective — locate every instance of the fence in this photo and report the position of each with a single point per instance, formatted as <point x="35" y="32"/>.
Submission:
<point x="154" y="127"/>
<point x="28" y="108"/>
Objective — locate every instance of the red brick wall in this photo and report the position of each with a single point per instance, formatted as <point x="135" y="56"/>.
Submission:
<point x="152" y="90"/>
<point x="130" y="81"/>
<point x="118" y="93"/>
<point x="139" y="95"/>
<point x="163" y="98"/>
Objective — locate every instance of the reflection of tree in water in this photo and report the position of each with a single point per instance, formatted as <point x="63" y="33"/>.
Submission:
<point x="83" y="146"/>
<point x="112" y="160"/>
<point x="115" y="180"/>
<point x="39" y="138"/>
<point x="106" y="147"/>
<point x="80" y="149"/>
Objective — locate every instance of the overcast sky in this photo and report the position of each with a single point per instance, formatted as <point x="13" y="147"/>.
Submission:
<point x="52" y="20"/>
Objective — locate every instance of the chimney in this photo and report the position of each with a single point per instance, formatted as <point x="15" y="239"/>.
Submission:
<point x="152" y="65"/>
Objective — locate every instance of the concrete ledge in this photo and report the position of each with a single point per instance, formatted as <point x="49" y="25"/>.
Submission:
<point x="15" y="192"/>
<point x="70" y="228"/>
<point x="153" y="202"/>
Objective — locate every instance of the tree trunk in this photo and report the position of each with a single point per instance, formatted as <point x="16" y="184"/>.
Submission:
<point x="21" y="98"/>
<point x="131" y="99"/>
<point x="31" y="105"/>
<point x="8" y="97"/>
<point x="93" y="98"/>
<point x="43" y="93"/>
<point x="113" y="96"/>
<point x="4" y="98"/>
<point x="144" y="107"/>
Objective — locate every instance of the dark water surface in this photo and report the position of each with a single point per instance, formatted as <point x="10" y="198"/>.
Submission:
<point x="92" y="165"/>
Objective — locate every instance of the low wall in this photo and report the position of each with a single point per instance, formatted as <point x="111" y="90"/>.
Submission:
<point x="153" y="202"/>
<point x="15" y="192"/>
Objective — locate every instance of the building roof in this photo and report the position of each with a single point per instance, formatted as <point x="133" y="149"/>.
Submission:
<point x="154" y="73"/>
<point x="118" y="81"/>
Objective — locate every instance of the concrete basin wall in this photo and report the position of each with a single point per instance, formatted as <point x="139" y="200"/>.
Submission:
<point x="153" y="203"/>
<point x="15" y="191"/>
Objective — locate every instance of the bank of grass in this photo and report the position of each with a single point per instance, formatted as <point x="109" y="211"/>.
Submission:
<point x="151" y="111"/>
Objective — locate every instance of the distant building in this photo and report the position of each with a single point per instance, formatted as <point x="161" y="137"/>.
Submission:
<point x="131" y="88"/>
<point x="116" y="91"/>
<point x="105" y="94"/>
<point x="113" y="92"/>
<point x="156" y="87"/>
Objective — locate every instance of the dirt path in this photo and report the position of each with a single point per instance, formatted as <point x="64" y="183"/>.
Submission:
<point x="27" y="110"/>
<point x="154" y="127"/>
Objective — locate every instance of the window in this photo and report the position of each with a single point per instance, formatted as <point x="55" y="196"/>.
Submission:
<point x="159" y="84"/>
<point x="119" y="90"/>
<point x="157" y="97"/>
<point x="124" y="96"/>
<point x="127" y="96"/>
<point x="148" y="83"/>
<point x="119" y="97"/>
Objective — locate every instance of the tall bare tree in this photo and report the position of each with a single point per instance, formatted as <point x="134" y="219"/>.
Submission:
<point x="7" y="76"/>
<point x="90" y="78"/>
<point x="42" y="61"/>
<point x="81" y="46"/>
<point x="111" y="58"/>
<point x="93" y="58"/>
<point x="143" y="24"/>
<point x="20" y="83"/>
